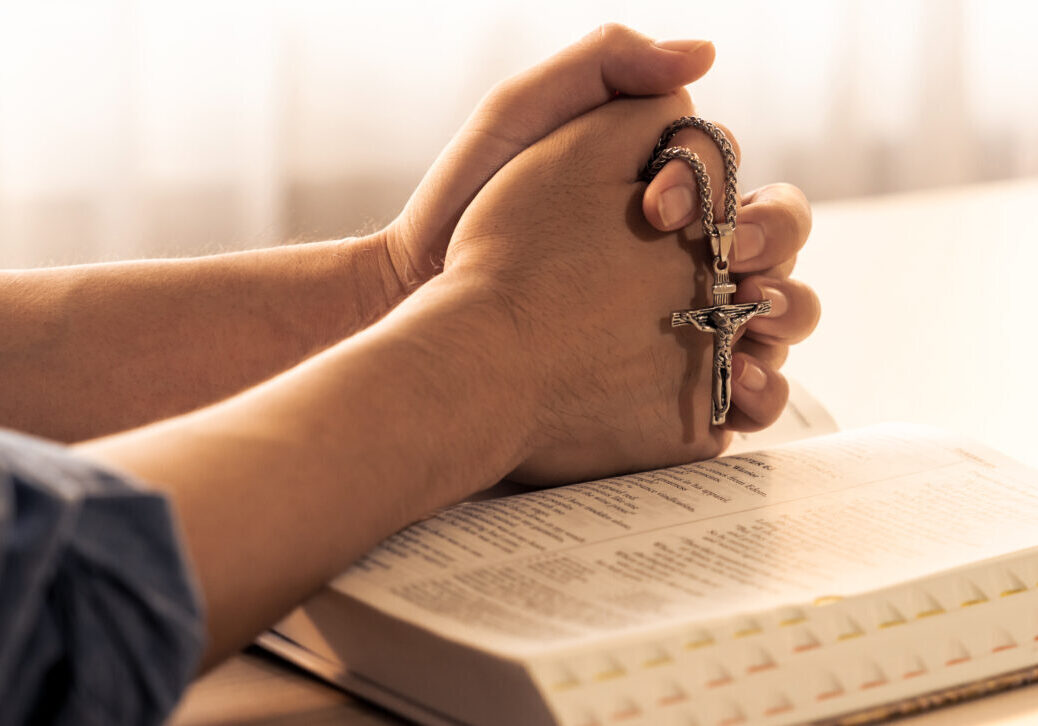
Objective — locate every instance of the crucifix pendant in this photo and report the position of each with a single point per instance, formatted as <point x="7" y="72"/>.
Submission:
<point x="722" y="319"/>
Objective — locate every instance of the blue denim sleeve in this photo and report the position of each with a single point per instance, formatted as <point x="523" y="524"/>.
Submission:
<point x="99" y="619"/>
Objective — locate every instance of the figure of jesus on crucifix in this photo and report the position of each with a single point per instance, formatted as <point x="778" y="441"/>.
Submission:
<point x="723" y="321"/>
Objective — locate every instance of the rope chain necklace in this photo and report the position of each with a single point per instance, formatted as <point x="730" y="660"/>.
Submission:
<point x="723" y="319"/>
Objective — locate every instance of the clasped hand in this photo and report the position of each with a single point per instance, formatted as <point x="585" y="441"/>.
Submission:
<point x="583" y="264"/>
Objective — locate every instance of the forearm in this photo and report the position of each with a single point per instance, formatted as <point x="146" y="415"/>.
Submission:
<point x="283" y="487"/>
<point x="89" y="350"/>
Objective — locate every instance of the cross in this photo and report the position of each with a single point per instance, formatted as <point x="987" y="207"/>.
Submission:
<point x="722" y="319"/>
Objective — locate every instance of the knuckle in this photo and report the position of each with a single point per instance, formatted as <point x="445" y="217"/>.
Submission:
<point x="781" y="394"/>
<point x="815" y="307"/>
<point x="731" y="137"/>
<point x="497" y="103"/>
<point x="700" y="141"/>
<point x="592" y="134"/>
<point x="610" y="33"/>
<point x="669" y="106"/>
<point x="682" y="100"/>
<point x="789" y="221"/>
<point x="799" y="206"/>
<point x="783" y="269"/>
<point x="712" y="447"/>
<point x="796" y="194"/>
<point x="501" y="90"/>
<point x="774" y="355"/>
<point x="760" y="280"/>
<point x="766" y="407"/>
<point x="806" y="311"/>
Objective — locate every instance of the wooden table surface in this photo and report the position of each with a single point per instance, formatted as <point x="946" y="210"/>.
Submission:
<point x="256" y="688"/>
<point x="927" y="302"/>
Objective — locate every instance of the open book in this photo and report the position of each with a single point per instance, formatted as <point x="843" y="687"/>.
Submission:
<point x="838" y="578"/>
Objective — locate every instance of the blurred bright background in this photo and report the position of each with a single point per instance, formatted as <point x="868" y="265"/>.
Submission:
<point x="171" y="128"/>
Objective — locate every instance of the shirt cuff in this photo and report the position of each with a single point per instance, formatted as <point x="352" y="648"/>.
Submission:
<point x="100" y="619"/>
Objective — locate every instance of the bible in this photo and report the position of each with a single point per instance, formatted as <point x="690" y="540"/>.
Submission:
<point x="836" y="579"/>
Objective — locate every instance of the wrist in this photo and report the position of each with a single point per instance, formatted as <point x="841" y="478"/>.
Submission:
<point x="397" y="241"/>
<point x="467" y="358"/>
<point x="364" y="275"/>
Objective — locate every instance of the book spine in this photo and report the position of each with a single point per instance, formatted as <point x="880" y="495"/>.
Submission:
<point x="936" y="699"/>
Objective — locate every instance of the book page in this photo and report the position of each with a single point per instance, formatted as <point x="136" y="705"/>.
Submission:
<point x="803" y="417"/>
<point x="834" y="515"/>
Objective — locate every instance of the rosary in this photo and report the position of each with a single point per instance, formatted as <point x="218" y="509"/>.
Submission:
<point x="723" y="318"/>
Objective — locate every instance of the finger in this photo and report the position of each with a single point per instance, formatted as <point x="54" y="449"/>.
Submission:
<point x="630" y="65"/>
<point x="611" y="60"/>
<point x="772" y="355"/>
<point x="637" y="121"/>
<point x="774" y="222"/>
<point x="521" y="110"/>
<point x="672" y="199"/>
<point x="782" y="270"/>
<point x="795" y="309"/>
<point x="759" y="394"/>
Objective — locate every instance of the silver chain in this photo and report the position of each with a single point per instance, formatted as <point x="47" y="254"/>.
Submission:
<point x="723" y="318"/>
<point x="663" y="153"/>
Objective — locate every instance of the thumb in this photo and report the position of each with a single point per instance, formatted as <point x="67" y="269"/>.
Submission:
<point x="611" y="60"/>
<point x="660" y="67"/>
<point x="523" y="109"/>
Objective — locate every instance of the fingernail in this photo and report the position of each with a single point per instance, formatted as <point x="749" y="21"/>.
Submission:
<point x="753" y="378"/>
<point x="684" y="46"/>
<point x="674" y="205"/>
<point x="749" y="242"/>
<point x="779" y="301"/>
